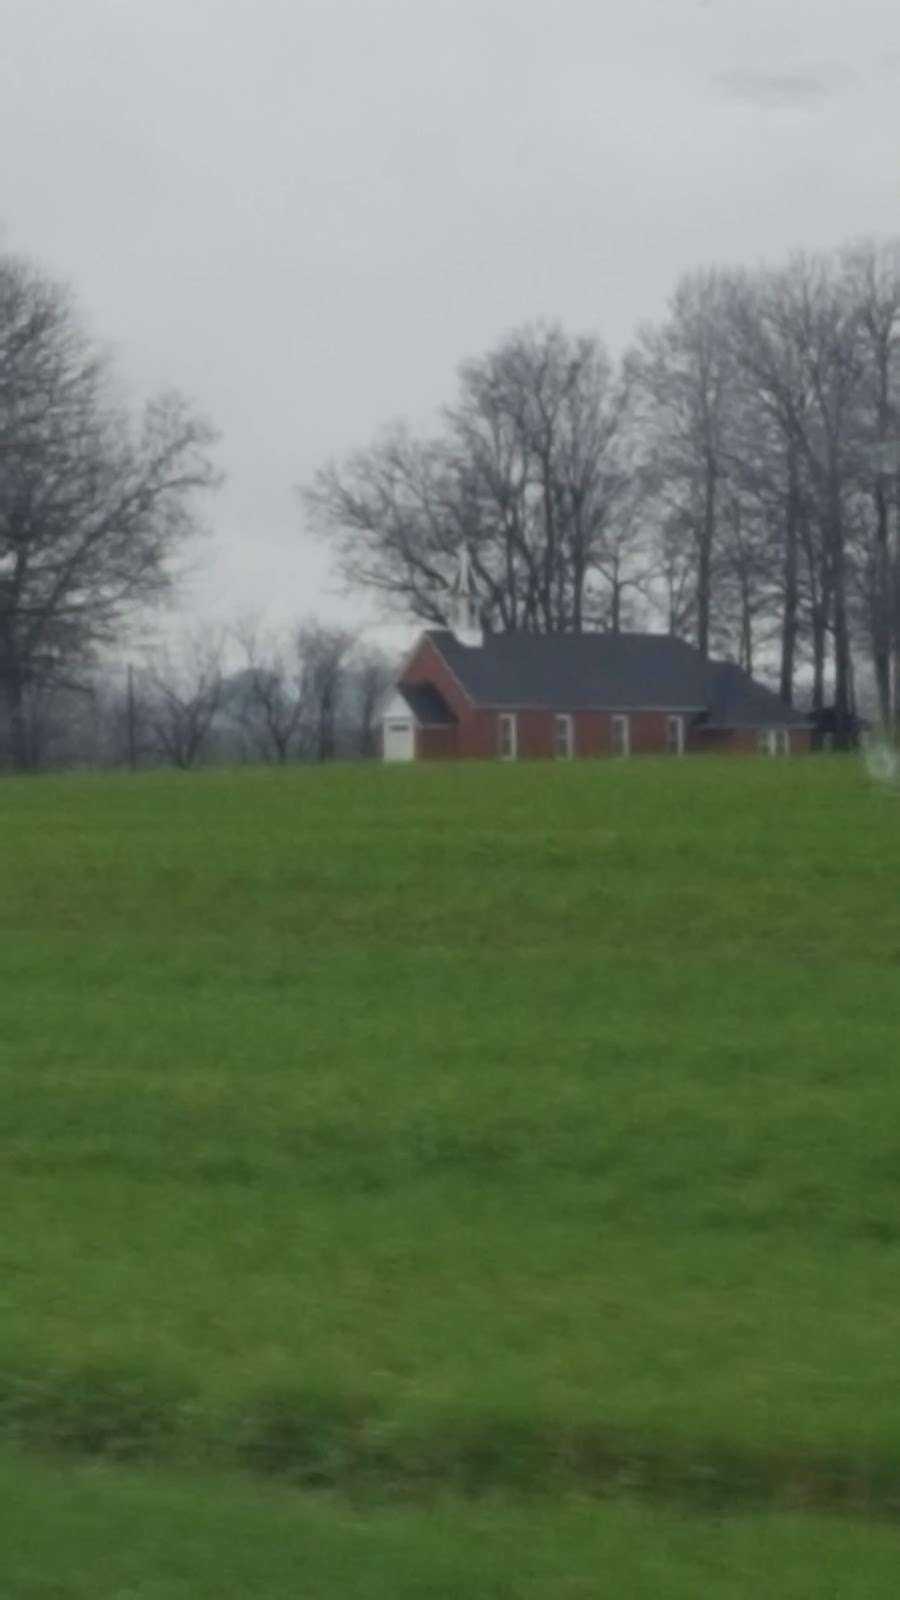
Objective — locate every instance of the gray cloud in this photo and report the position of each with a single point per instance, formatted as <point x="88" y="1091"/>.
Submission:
<point x="784" y="91"/>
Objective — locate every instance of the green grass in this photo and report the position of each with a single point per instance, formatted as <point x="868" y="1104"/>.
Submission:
<point x="146" y="1536"/>
<point x="475" y="1125"/>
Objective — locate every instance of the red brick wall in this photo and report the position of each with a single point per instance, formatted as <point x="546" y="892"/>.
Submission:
<point x="593" y="733"/>
<point x="476" y="732"/>
<point x="593" y="736"/>
<point x="479" y="735"/>
<point x="437" y="744"/>
<point x="535" y="730"/>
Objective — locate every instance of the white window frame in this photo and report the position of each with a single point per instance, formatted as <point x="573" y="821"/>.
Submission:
<point x="507" y="736"/>
<point x="675" y="723"/>
<point x="564" y="724"/>
<point x="782" y="741"/>
<point x="621" y="722"/>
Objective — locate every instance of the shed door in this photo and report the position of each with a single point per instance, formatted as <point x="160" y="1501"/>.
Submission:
<point x="399" y="739"/>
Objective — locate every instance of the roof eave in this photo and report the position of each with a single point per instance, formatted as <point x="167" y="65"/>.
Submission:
<point x="566" y="708"/>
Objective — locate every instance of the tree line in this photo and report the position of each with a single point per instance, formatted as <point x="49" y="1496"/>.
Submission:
<point x="228" y="695"/>
<point x="733" y="477"/>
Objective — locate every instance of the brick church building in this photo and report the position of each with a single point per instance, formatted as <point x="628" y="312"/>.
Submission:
<point x="524" y="696"/>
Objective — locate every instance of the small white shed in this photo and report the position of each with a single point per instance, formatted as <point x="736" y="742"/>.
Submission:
<point x="398" y="729"/>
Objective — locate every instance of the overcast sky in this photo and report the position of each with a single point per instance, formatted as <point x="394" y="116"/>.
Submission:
<point x="304" y="213"/>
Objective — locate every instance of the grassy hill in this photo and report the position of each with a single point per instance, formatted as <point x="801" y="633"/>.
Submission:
<point x="465" y="1128"/>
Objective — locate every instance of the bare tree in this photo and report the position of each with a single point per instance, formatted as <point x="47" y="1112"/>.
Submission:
<point x="184" y="689"/>
<point x="123" y="738"/>
<point x="270" y="695"/>
<point x="323" y="654"/>
<point x="371" y="674"/>
<point x="624" y="564"/>
<point x="683" y="374"/>
<point x="871" y="282"/>
<point x="529" y="475"/>
<point x="538" y="432"/>
<point x="90" y="507"/>
<point x="393" y="515"/>
<point x="801" y="346"/>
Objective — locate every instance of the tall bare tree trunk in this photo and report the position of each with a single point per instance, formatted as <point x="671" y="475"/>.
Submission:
<point x="819" y="617"/>
<point x="891" y="648"/>
<point x="615" y="615"/>
<point x="704" y="561"/>
<point x="578" y="576"/>
<point x="746" y="646"/>
<point x="843" y="666"/>
<point x="843" y="674"/>
<point x="791" y="583"/>
<point x="882" y="604"/>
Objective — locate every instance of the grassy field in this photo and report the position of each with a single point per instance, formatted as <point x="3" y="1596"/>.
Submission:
<point x="457" y="1129"/>
<point x="149" y="1536"/>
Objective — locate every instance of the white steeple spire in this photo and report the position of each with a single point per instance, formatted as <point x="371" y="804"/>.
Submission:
<point x="466" y="613"/>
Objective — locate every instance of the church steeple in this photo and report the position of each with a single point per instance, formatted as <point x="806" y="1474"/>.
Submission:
<point x="466" y="612"/>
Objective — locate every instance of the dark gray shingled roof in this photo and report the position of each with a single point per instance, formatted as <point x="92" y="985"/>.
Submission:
<point x="575" y="671"/>
<point x="427" y="705"/>
<point x="609" y="672"/>
<point x="738" y="701"/>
